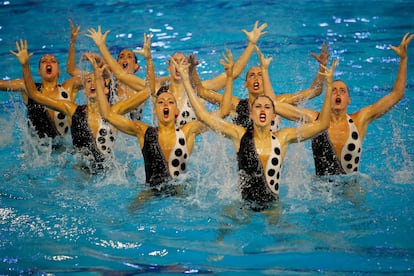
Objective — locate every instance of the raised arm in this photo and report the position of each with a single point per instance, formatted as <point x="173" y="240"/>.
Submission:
<point x="23" y="56"/>
<point x="208" y="94"/>
<point x="120" y="122"/>
<point x="253" y="36"/>
<point x="264" y="66"/>
<point x="376" y="110"/>
<point x="285" y="110"/>
<point x="131" y="80"/>
<point x="214" y="122"/>
<point x="138" y="98"/>
<point x="146" y="53"/>
<point x="308" y="130"/>
<point x="317" y="85"/>
<point x="71" y="67"/>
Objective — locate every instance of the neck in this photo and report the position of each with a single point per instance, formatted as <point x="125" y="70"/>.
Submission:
<point x="166" y="127"/>
<point x="49" y="84"/>
<point x="93" y="105"/>
<point x="177" y="89"/>
<point x="337" y="115"/>
<point x="261" y="132"/>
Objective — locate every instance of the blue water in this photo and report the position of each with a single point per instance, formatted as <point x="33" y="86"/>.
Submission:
<point x="55" y="219"/>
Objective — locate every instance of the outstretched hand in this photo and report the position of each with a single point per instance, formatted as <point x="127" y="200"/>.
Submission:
<point x="323" y="57"/>
<point x="182" y="67"/>
<point x="146" y="48"/>
<point x="74" y="31"/>
<point x="22" y="53"/>
<point x="228" y="63"/>
<point x="329" y="72"/>
<point x="193" y="62"/>
<point x="97" y="36"/>
<point x="256" y="33"/>
<point x="264" y="62"/>
<point x="401" y="50"/>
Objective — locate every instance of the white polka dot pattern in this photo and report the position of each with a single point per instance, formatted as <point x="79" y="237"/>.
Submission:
<point x="60" y="119"/>
<point x="105" y="138"/>
<point x="351" y="152"/>
<point x="273" y="167"/>
<point x="179" y="155"/>
<point x="186" y="114"/>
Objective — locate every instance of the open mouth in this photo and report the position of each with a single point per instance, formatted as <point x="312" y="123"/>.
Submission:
<point x="338" y="100"/>
<point x="48" y="69"/>
<point x="125" y="65"/>
<point x="166" y="112"/>
<point x="262" y="117"/>
<point x="256" y="85"/>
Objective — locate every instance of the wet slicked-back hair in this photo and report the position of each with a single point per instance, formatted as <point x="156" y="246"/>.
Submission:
<point x="267" y="97"/>
<point x="40" y="60"/>
<point x="135" y="56"/>
<point x="346" y="85"/>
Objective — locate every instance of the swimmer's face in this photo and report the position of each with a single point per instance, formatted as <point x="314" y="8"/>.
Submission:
<point x="254" y="81"/>
<point x="177" y="57"/>
<point x="89" y="86"/>
<point x="166" y="107"/>
<point x="340" y="96"/>
<point x="49" y="67"/>
<point x="128" y="61"/>
<point x="262" y="111"/>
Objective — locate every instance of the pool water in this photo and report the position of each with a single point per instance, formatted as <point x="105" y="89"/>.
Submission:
<point x="56" y="220"/>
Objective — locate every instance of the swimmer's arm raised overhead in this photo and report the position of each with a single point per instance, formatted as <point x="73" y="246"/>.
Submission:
<point x="208" y="94"/>
<point x="135" y="128"/>
<point x="253" y="36"/>
<point x="75" y="83"/>
<point x="23" y="56"/>
<point x="214" y="122"/>
<point x="367" y="114"/>
<point x="264" y="66"/>
<point x="311" y="129"/>
<point x="71" y="67"/>
<point x="226" y="100"/>
<point x="131" y="80"/>
<point x="285" y="110"/>
<point x="137" y="99"/>
<point x="146" y="53"/>
<point x="317" y="85"/>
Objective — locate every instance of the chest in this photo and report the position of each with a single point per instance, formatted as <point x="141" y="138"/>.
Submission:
<point x="338" y="134"/>
<point x="263" y="148"/>
<point x="94" y="121"/>
<point x="167" y="143"/>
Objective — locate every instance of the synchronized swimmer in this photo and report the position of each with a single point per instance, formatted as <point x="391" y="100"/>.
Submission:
<point x="116" y="97"/>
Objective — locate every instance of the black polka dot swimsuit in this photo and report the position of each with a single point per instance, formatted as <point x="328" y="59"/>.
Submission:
<point x="242" y="116"/>
<point x="326" y="160"/>
<point x="157" y="170"/>
<point x="258" y="186"/>
<point x="39" y="117"/>
<point x="102" y="146"/>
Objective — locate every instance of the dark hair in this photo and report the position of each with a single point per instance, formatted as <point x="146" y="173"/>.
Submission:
<point x="248" y="72"/>
<point x="347" y="88"/>
<point x="40" y="60"/>
<point x="135" y="56"/>
<point x="163" y="89"/>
